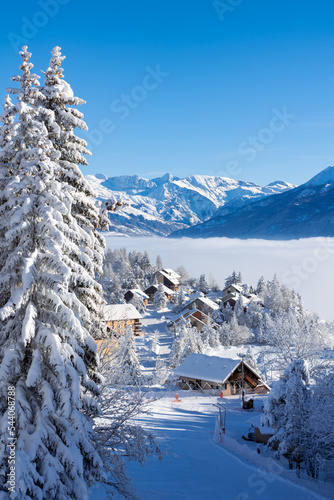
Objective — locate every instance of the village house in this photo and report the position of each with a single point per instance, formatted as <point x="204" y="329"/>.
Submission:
<point x="118" y="317"/>
<point x="233" y="292"/>
<point x="169" y="278"/>
<point x="195" y="317"/>
<point x="136" y="293"/>
<point x="151" y="291"/>
<point x="203" y="304"/>
<point x="231" y="376"/>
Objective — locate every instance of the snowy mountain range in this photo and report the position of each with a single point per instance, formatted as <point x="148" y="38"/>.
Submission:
<point x="167" y="204"/>
<point x="203" y="206"/>
<point x="302" y="212"/>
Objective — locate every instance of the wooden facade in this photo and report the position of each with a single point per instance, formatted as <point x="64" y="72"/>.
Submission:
<point x="119" y="317"/>
<point x="230" y="376"/>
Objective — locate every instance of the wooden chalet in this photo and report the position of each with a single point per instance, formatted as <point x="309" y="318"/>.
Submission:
<point x="169" y="278"/>
<point x="118" y="317"/>
<point x="195" y="317"/>
<point x="231" y="294"/>
<point x="203" y="304"/>
<point x="200" y="371"/>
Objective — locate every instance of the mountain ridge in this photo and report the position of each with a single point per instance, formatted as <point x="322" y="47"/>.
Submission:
<point x="303" y="211"/>
<point x="166" y="204"/>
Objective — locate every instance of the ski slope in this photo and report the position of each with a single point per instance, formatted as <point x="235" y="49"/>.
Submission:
<point x="196" y="468"/>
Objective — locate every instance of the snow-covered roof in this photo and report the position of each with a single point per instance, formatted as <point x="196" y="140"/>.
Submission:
<point x="183" y="314"/>
<point x="170" y="277"/>
<point x="173" y="273"/>
<point x="205" y="300"/>
<point x="236" y="287"/>
<point x="165" y="289"/>
<point x="118" y="312"/>
<point x="137" y="291"/>
<point x="254" y="298"/>
<point x="210" y="368"/>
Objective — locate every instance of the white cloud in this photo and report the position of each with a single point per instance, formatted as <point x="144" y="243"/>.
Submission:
<point x="306" y="265"/>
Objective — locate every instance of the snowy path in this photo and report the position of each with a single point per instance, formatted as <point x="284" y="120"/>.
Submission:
<point x="155" y="345"/>
<point x="195" y="468"/>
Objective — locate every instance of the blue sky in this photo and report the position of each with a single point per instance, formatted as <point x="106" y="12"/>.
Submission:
<point x="239" y="88"/>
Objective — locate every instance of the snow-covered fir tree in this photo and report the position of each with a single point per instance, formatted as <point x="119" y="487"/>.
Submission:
<point x="180" y="300"/>
<point x="187" y="340"/>
<point x="249" y="358"/>
<point x="211" y="335"/>
<point x="160" y="300"/>
<point x="261" y="287"/>
<point x="138" y="302"/>
<point x="158" y="263"/>
<point x="61" y="117"/>
<point x="181" y="270"/>
<point x="233" y="279"/>
<point x="203" y="285"/>
<point x="320" y="459"/>
<point x="239" y="334"/>
<point x="46" y="351"/>
<point x="286" y="410"/>
<point x="125" y="367"/>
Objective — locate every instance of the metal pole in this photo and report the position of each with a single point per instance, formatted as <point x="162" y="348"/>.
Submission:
<point x="242" y="382"/>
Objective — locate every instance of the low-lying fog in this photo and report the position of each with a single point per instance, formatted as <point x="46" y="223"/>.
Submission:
<point x="306" y="265"/>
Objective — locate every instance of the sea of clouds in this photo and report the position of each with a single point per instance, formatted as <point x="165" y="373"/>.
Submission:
<point x="307" y="265"/>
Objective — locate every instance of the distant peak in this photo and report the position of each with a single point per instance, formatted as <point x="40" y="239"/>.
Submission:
<point x="324" y="177"/>
<point x="101" y="177"/>
<point x="165" y="178"/>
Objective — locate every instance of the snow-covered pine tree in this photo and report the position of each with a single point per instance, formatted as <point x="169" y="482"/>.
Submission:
<point x="158" y="263"/>
<point x="231" y="279"/>
<point x="320" y="459"/>
<point x="125" y="369"/>
<point x="261" y="287"/>
<point x="187" y="340"/>
<point x="239" y="334"/>
<point x="180" y="300"/>
<point x="286" y="410"/>
<point x="250" y="359"/>
<point x="181" y="270"/>
<point x="138" y="302"/>
<point x="61" y="117"/>
<point x="160" y="300"/>
<point x="203" y="285"/>
<point x="210" y="335"/>
<point x="46" y="351"/>
<point x="239" y="278"/>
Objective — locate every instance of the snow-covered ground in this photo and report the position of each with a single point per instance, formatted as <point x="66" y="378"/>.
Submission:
<point x="194" y="467"/>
